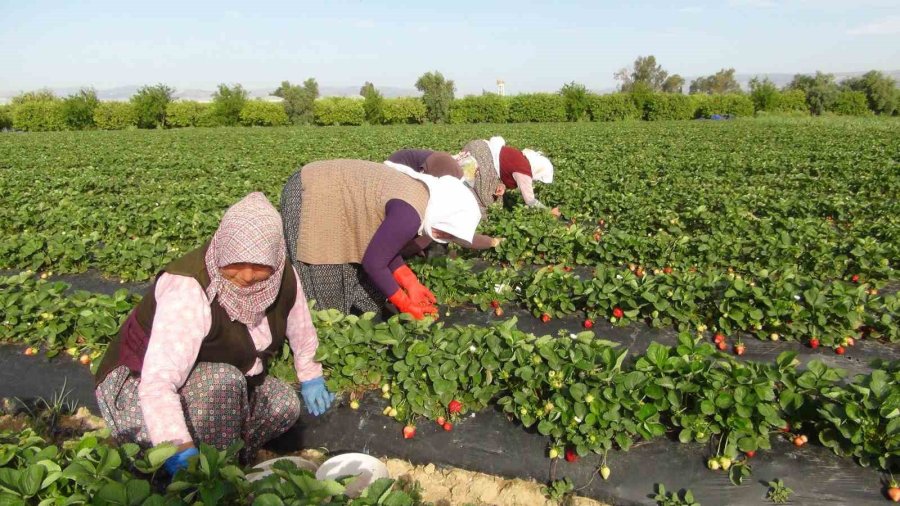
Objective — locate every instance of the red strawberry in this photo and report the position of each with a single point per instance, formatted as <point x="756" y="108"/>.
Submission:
<point x="597" y="236"/>
<point x="618" y="313"/>
<point x="739" y="349"/>
<point x="751" y="454"/>
<point x="814" y="343"/>
<point x="545" y="318"/>
<point x="571" y="456"/>
<point x="855" y="278"/>
<point x="588" y="323"/>
<point x="454" y="407"/>
<point x="495" y="304"/>
<point x="722" y="346"/>
<point x="409" y="432"/>
<point x="893" y="491"/>
<point x="448" y="426"/>
<point x="798" y="441"/>
<point x="839" y="350"/>
<point x="719" y="338"/>
<point x="667" y="270"/>
<point x="440" y="420"/>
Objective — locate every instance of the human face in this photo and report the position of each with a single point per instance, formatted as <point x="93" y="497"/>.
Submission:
<point x="245" y="275"/>
<point x="444" y="236"/>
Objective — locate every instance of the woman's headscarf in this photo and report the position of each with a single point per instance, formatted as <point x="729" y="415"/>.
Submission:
<point x="541" y="167"/>
<point x="451" y="208"/>
<point x="250" y="232"/>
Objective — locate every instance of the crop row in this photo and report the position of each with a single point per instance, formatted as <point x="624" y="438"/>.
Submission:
<point x="582" y="392"/>
<point x="91" y="470"/>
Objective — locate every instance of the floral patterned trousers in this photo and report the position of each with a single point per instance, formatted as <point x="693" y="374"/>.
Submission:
<point x="217" y="408"/>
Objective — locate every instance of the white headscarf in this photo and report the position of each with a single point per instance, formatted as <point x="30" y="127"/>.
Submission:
<point x="541" y="168"/>
<point x="495" y="144"/>
<point x="451" y="208"/>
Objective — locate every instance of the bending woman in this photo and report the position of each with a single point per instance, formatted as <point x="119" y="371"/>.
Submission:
<point x="346" y="222"/>
<point x="502" y="167"/>
<point x="189" y="364"/>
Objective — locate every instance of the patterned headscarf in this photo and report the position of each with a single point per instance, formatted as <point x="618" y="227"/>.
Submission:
<point x="250" y="232"/>
<point x="486" y="176"/>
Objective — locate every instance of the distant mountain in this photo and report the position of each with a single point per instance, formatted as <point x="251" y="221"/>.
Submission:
<point x="125" y="92"/>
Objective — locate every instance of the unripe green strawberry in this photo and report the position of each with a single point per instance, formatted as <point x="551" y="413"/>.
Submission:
<point x="604" y="472"/>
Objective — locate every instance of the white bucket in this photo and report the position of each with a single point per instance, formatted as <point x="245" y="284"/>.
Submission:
<point x="264" y="469"/>
<point x="367" y="469"/>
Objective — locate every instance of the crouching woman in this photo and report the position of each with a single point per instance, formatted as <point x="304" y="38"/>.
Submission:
<point x="189" y="364"/>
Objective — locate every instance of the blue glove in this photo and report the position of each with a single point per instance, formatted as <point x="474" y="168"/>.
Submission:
<point x="316" y="397"/>
<point x="179" y="460"/>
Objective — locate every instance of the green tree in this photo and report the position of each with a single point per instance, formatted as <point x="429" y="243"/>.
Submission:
<point x="228" y="103"/>
<point x="575" y="97"/>
<point x="78" y="109"/>
<point x="373" y="103"/>
<point x="437" y="93"/>
<point x="6" y="117"/>
<point x="722" y="81"/>
<point x="114" y="116"/>
<point x="673" y="84"/>
<point x="299" y="100"/>
<point x="261" y="113"/>
<point x="41" y="95"/>
<point x="880" y="91"/>
<point x="150" y="104"/>
<point x="850" y="103"/>
<point x="764" y="94"/>
<point x="646" y="72"/>
<point x="820" y="89"/>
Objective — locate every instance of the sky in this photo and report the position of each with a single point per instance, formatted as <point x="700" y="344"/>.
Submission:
<point x="531" y="45"/>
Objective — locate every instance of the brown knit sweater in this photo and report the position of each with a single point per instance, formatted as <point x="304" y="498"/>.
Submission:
<point x="343" y="205"/>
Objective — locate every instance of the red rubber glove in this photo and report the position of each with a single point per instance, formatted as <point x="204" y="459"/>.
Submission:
<point x="417" y="292"/>
<point x="405" y="305"/>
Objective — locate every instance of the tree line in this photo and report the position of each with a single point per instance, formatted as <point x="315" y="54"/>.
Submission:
<point x="646" y="91"/>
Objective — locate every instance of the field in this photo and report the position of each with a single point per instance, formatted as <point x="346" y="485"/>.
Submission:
<point x="775" y="233"/>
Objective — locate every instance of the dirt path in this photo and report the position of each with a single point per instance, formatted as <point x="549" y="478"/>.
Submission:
<point x="449" y="486"/>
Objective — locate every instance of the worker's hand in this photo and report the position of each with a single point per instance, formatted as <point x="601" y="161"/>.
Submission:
<point x="555" y="212"/>
<point x="180" y="460"/>
<point x="495" y="241"/>
<point x="316" y="397"/>
<point x="404" y="304"/>
<point x="418" y="293"/>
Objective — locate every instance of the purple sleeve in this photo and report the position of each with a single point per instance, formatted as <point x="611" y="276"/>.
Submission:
<point x="401" y="223"/>
<point x="416" y="247"/>
<point x="412" y="158"/>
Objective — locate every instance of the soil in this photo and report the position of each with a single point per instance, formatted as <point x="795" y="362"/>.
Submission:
<point x="449" y="486"/>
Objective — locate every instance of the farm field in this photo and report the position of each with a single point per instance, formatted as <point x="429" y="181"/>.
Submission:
<point x="780" y="236"/>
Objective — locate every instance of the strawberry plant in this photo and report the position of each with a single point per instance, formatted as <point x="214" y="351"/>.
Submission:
<point x="862" y="419"/>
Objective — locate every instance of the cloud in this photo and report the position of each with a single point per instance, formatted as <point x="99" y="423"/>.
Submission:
<point x="887" y="26"/>
<point x="692" y="9"/>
